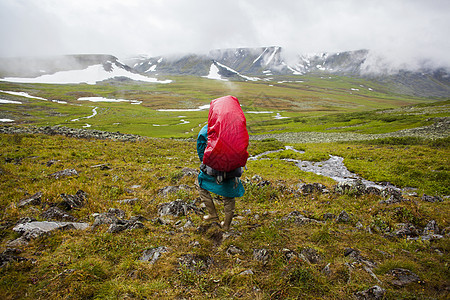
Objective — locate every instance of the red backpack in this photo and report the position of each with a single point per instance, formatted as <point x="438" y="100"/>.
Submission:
<point x="227" y="145"/>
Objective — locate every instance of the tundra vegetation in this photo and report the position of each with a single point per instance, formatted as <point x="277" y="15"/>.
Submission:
<point x="296" y="235"/>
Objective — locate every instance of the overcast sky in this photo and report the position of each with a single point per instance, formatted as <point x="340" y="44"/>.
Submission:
<point x="403" y="29"/>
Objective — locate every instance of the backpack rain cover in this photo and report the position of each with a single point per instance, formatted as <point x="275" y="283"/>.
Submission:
<point x="227" y="135"/>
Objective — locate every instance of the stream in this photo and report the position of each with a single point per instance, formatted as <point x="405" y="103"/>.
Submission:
<point x="333" y="168"/>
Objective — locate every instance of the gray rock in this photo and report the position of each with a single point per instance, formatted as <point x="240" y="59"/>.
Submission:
<point x="47" y="226"/>
<point x="175" y="208"/>
<point x="373" y="293"/>
<point x="262" y="255"/>
<point x="328" y="216"/>
<point x="113" y="215"/>
<point x="233" y="250"/>
<point x="190" y="172"/>
<point x="405" y="230"/>
<point x="129" y="201"/>
<point x="6" y="258"/>
<point x="355" y="187"/>
<point x="153" y="254"/>
<point x="171" y="189"/>
<point x="431" y="198"/>
<point x="246" y="272"/>
<point x="343" y="217"/>
<point x="299" y="219"/>
<point x="56" y="214"/>
<point x="431" y="228"/>
<point x="102" y="167"/>
<point x="33" y="200"/>
<point x="64" y="173"/>
<point x="326" y="270"/>
<point x="115" y="228"/>
<point x="311" y="255"/>
<point x="25" y="220"/>
<point x="393" y="195"/>
<point x="289" y="254"/>
<point x="73" y="201"/>
<point x="403" y="277"/>
<point x="311" y="188"/>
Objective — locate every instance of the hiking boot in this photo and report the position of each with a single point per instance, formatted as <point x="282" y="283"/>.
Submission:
<point x="211" y="218"/>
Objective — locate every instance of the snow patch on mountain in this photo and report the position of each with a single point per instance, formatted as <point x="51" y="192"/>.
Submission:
<point x="90" y="75"/>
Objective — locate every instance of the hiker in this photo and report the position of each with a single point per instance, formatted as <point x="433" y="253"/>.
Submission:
<point x="222" y="149"/>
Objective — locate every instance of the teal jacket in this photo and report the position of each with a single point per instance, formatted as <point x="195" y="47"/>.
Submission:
<point x="227" y="188"/>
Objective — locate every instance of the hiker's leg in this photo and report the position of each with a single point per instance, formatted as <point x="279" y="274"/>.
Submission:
<point x="206" y="198"/>
<point x="229" y="204"/>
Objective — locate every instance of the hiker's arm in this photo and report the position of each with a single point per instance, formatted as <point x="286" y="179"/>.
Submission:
<point x="202" y="142"/>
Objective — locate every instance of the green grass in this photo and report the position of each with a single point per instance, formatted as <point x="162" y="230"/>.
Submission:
<point x="316" y="104"/>
<point x="97" y="264"/>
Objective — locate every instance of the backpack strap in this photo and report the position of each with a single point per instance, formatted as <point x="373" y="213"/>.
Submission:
<point x="221" y="175"/>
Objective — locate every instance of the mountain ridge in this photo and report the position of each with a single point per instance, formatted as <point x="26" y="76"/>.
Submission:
<point x="252" y="64"/>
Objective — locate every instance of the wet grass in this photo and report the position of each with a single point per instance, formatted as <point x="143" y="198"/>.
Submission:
<point x="315" y="104"/>
<point x="97" y="264"/>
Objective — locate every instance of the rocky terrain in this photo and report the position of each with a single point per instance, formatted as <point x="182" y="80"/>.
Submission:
<point x="93" y="216"/>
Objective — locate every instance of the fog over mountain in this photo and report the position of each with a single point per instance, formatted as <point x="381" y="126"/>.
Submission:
<point x="403" y="32"/>
<point x="263" y="64"/>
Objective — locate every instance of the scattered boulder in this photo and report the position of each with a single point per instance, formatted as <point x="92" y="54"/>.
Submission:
<point x="129" y="201"/>
<point x="403" y="277"/>
<point x="394" y="196"/>
<point x="34" y="229"/>
<point x="355" y="255"/>
<point x="111" y="216"/>
<point x="289" y="254"/>
<point x="343" y="217"/>
<point x="371" y="190"/>
<point x="406" y="230"/>
<point x="328" y="216"/>
<point x="190" y="172"/>
<point x="33" y="200"/>
<point x="233" y="250"/>
<point x="10" y="255"/>
<point x="114" y="217"/>
<point x="175" y="208"/>
<point x="373" y="293"/>
<point x="431" y="228"/>
<point x="47" y="226"/>
<point x="71" y="132"/>
<point x="246" y="272"/>
<point x="299" y="219"/>
<point x="312" y="188"/>
<point x="262" y="255"/>
<point x="310" y="255"/>
<point x="64" y="173"/>
<point x="73" y="201"/>
<point x="56" y="214"/>
<point x="102" y="167"/>
<point x="51" y="162"/>
<point x="355" y="187"/>
<point x="171" y="189"/>
<point x="153" y="254"/>
<point x="25" y="220"/>
<point x="431" y="198"/>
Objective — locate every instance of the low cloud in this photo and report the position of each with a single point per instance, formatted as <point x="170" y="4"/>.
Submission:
<point x="403" y="31"/>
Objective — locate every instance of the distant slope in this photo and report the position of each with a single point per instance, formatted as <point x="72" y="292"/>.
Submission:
<point x="264" y="63"/>
<point x="246" y="64"/>
<point x="71" y="69"/>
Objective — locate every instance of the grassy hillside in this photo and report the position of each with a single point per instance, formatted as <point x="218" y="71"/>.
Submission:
<point x="301" y="105"/>
<point x="324" y="254"/>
